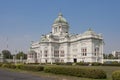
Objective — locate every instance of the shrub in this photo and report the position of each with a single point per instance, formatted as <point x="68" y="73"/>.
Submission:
<point x="1" y="64"/>
<point x="68" y="63"/>
<point x="5" y="65"/>
<point x="82" y="63"/>
<point x="24" y="67"/>
<point x="96" y="64"/>
<point x="115" y="62"/>
<point x="116" y="75"/>
<point x="30" y="67"/>
<point x="12" y="66"/>
<point x="8" y="65"/>
<point x="59" y="63"/>
<point x="34" y="63"/>
<point x="111" y="64"/>
<point x="79" y="72"/>
<point x="19" y="66"/>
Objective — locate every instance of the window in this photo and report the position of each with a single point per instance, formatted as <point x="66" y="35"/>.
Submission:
<point x="59" y="27"/>
<point x="46" y="53"/>
<point x="41" y="53"/>
<point x="84" y="51"/>
<point x="62" y="53"/>
<point x="55" y="29"/>
<point x="62" y="60"/>
<point x="56" y="53"/>
<point x="30" y="56"/>
<point x="56" y="60"/>
<point x="96" y="52"/>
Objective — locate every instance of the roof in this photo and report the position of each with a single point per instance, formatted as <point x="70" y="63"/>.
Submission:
<point x="60" y="19"/>
<point x="89" y="32"/>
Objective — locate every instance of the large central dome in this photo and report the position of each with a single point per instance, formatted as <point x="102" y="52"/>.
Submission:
<point x="60" y="26"/>
<point x="60" y="19"/>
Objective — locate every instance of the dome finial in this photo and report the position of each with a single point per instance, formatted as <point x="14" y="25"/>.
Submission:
<point x="60" y="19"/>
<point x="60" y="14"/>
<point x="89" y="29"/>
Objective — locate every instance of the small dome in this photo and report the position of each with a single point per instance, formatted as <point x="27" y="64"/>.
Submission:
<point x="44" y="38"/>
<point x="89" y="32"/>
<point x="60" y="19"/>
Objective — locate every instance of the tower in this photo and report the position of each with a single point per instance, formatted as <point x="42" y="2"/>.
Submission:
<point x="60" y="26"/>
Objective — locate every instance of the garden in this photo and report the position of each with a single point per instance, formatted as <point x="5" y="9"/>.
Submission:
<point x="69" y="72"/>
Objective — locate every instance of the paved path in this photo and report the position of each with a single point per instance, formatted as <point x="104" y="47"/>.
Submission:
<point x="9" y="75"/>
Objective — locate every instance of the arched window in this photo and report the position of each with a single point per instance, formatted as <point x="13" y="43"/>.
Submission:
<point x="62" y="53"/>
<point x="56" y="53"/>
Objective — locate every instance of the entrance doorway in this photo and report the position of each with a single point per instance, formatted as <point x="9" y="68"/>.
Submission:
<point x="75" y="60"/>
<point x="46" y="61"/>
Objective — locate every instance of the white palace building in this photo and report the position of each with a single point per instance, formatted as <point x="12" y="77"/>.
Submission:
<point x="61" y="46"/>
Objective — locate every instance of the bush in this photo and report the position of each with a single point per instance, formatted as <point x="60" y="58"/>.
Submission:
<point x="1" y="64"/>
<point x="79" y="72"/>
<point x="115" y="62"/>
<point x="8" y="65"/>
<point x="116" y="75"/>
<point x="12" y="66"/>
<point x="82" y="63"/>
<point x="24" y="67"/>
<point x="30" y="67"/>
<point x="96" y="64"/>
<point x="68" y="63"/>
<point x="111" y="64"/>
<point x="5" y="65"/>
<point x="19" y="66"/>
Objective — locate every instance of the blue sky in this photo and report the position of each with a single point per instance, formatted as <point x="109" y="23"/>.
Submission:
<point x="23" y="21"/>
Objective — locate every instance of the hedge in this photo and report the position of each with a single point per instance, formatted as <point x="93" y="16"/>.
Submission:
<point x="8" y="65"/>
<point x="30" y="67"/>
<point x="22" y="67"/>
<point x="116" y="75"/>
<point x="68" y="63"/>
<point x="96" y="64"/>
<point x="82" y="63"/>
<point x="79" y="72"/>
<point x="111" y="64"/>
<point x="1" y="64"/>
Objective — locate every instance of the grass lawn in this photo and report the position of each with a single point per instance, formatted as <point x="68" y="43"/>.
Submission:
<point x="107" y="69"/>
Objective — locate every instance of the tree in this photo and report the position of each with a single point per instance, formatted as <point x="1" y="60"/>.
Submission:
<point x="110" y="56"/>
<point x="7" y="54"/>
<point x="21" y="54"/>
<point x="104" y="56"/>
